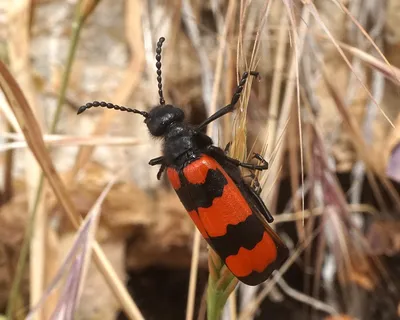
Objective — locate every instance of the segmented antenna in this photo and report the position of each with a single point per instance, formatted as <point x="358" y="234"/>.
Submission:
<point x="110" y="106"/>
<point x="158" y="66"/>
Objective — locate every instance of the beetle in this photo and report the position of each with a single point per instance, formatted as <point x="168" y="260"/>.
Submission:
<point x="227" y="210"/>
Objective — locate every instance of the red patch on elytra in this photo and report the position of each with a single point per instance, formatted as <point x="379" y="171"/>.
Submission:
<point x="256" y="259"/>
<point x="196" y="172"/>
<point x="229" y="209"/>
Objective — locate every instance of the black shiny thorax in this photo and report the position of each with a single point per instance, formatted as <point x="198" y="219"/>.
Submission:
<point x="183" y="144"/>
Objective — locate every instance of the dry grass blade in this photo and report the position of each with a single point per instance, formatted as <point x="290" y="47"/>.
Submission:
<point x="276" y="85"/>
<point x="64" y="140"/>
<point x="365" y="33"/>
<point x="9" y="115"/>
<point x="19" y="49"/>
<point x="287" y="104"/>
<point x="311" y="7"/>
<point x="390" y="72"/>
<point x="75" y="265"/>
<point x="8" y="169"/>
<point x="33" y="136"/>
<point x="295" y="216"/>
<point x="293" y="162"/>
<point x="86" y="7"/>
<point x="193" y="274"/>
<point x="12" y="126"/>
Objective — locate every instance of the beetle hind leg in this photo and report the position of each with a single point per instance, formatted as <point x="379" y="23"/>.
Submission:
<point x="255" y="183"/>
<point x="250" y="166"/>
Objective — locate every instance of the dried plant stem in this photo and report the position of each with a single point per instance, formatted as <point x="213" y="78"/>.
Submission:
<point x="8" y="167"/>
<point x="294" y="172"/>
<point x="286" y="105"/>
<point x="276" y="85"/>
<point x="76" y="31"/>
<point x="232" y="306"/>
<point x="33" y="225"/>
<point x="14" y="292"/>
<point x="18" y="53"/>
<point x="303" y="298"/>
<point x="313" y="10"/>
<point x="19" y="38"/>
<point x="193" y="275"/>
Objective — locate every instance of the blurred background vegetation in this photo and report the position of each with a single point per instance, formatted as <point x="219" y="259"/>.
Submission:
<point x="324" y="114"/>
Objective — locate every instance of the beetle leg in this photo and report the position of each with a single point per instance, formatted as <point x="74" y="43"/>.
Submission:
<point x="219" y="154"/>
<point x="158" y="161"/>
<point x="261" y="205"/>
<point x="228" y="147"/>
<point x="256" y="186"/>
<point x="160" y="172"/>
<point x="230" y="107"/>
<point x="250" y="166"/>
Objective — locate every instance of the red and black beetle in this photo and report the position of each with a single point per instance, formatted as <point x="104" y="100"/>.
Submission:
<point x="228" y="212"/>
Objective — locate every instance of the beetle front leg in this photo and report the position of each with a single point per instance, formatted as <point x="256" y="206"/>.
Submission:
<point x="158" y="161"/>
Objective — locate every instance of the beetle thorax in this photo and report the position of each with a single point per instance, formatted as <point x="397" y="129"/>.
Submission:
<point x="179" y="144"/>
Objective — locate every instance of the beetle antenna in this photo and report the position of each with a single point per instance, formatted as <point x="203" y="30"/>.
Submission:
<point x="158" y="66"/>
<point x="110" y="106"/>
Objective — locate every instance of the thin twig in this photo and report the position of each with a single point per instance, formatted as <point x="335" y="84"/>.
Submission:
<point x="301" y="297"/>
